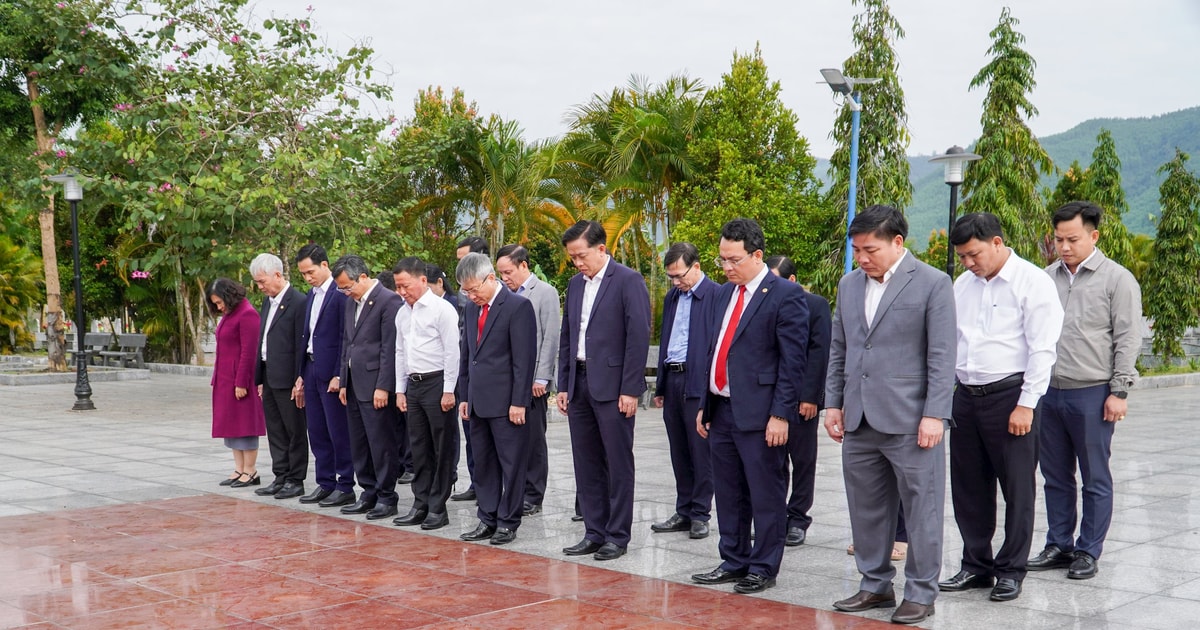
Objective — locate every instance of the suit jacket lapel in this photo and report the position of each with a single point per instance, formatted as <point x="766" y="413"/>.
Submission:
<point x="366" y="308"/>
<point x="493" y="310"/>
<point x="895" y="285"/>
<point x="604" y="284"/>
<point x="671" y="303"/>
<point x="748" y="310"/>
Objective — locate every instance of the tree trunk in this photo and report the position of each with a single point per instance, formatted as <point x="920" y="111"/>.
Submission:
<point x="56" y="349"/>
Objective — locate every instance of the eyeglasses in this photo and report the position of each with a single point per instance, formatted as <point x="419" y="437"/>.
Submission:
<point x="729" y="263"/>
<point x="347" y="290"/>
<point x="475" y="289"/>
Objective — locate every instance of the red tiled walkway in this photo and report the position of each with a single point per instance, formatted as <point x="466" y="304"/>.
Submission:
<point x="212" y="561"/>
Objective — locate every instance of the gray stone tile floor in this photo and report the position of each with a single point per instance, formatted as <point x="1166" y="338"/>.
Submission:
<point x="149" y="440"/>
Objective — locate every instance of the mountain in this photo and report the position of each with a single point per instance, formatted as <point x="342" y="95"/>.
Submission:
<point x="1143" y="144"/>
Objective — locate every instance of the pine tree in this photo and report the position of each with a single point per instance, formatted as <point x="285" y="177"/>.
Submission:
<point x="1102" y="186"/>
<point x="1005" y="181"/>
<point x="1172" y="289"/>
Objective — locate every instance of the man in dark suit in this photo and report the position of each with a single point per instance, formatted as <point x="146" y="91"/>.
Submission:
<point x="275" y="374"/>
<point x="802" y="435"/>
<point x="468" y="245"/>
<point x="680" y="388"/>
<point x="319" y="381"/>
<point x="888" y="396"/>
<point x="757" y="358"/>
<point x="368" y="376"/>
<point x="601" y="373"/>
<point x="495" y="385"/>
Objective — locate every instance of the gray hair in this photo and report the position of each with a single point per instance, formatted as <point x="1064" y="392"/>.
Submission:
<point x="473" y="266"/>
<point x="266" y="263"/>
<point x="353" y="266"/>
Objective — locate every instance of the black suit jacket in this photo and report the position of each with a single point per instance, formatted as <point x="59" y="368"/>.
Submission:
<point x="369" y="347"/>
<point x="497" y="370"/>
<point x="820" y="323"/>
<point x="699" y="330"/>
<point x="285" y="339"/>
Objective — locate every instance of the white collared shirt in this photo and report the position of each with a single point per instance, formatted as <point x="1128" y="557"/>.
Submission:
<point x="319" y="294"/>
<point x="876" y="289"/>
<point x="751" y="291"/>
<point x="427" y="341"/>
<point x="591" y="287"/>
<point x="359" y="303"/>
<point x="1006" y="325"/>
<point x="274" y="303"/>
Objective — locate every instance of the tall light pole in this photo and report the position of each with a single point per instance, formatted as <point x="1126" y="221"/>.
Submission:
<point x="845" y="86"/>
<point x="83" y="389"/>
<point x="955" y="158"/>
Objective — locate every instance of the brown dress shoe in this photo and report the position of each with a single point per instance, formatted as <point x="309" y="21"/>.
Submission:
<point x="866" y="600"/>
<point x="912" y="612"/>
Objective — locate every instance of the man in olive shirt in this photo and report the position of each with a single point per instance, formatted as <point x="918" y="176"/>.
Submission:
<point x="1091" y="380"/>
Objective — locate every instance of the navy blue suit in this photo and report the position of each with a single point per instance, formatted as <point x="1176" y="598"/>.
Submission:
<point x="618" y="340"/>
<point x="328" y="434"/>
<point x="802" y="434"/>
<point x="682" y="393"/>
<point x="496" y="373"/>
<point x="766" y="361"/>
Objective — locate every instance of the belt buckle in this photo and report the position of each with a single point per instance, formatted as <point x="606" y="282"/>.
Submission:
<point x="416" y="378"/>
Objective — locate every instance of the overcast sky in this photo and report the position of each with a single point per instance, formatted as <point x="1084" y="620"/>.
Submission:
<point x="533" y="60"/>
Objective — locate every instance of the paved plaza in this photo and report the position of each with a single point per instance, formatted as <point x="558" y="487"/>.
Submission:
<point x="148" y="444"/>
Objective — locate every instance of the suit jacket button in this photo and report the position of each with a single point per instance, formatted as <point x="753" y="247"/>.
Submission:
<point x="865" y="377"/>
<point x="868" y="346"/>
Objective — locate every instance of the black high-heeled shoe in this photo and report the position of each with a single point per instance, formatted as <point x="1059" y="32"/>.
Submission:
<point x="228" y="481"/>
<point x="252" y="481"/>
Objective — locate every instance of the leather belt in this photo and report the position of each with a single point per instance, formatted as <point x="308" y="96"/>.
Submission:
<point x="417" y="378"/>
<point x="580" y="366"/>
<point x="1006" y="383"/>
<point x="675" y="367"/>
<point x="310" y="357"/>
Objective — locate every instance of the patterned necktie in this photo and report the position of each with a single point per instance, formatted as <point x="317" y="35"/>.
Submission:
<point x="721" y="377"/>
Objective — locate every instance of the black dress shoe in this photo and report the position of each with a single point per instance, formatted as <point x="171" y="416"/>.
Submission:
<point x="582" y="548"/>
<point x="362" y="506"/>
<point x="795" y="537"/>
<point x="316" y="496"/>
<point x="290" y="490"/>
<point x="912" y="612"/>
<point x="718" y="576"/>
<point x="530" y="509"/>
<point x="609" y="551"/>
<point x="676" y="523"/>
<point x="1006" y="590"/>
<point x="964" y="581"/>
<point x="1052" y="557"/>
<point x="228" y="481"/>
<point x="577" y="518"/>
<point x="246" y="479"/>
<point x="480" y="532"/>
<point x="381" y="511"/>
<point x="414" y="517"/>
<point x="466" y="495"/>
<point x="753" y="583"/>
<point x="698" y="530"/>
<point x="866" y="600"/>
<point x="1084" y="566"/>
<point x="503" y="536"/>
<point x="436" y="521"/>
<point x="406" y="478"/>
<point x="275" y="486"/>
<point x="336" y="498"/>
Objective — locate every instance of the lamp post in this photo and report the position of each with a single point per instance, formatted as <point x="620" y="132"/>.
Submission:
<point x="955" y="158"/>
<point x="844" y="85"/>
<point x="83" y="389"/>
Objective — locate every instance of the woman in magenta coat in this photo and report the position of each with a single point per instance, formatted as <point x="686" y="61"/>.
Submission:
<point x="237" y="409"/>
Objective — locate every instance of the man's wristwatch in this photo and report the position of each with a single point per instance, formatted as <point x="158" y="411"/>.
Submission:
<point x="1121" y="395"/>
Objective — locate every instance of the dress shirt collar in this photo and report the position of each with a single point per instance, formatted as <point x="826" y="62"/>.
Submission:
<point x="325" y="286"/>
<point x="599" y="274"/>
<point x="752" y="286"/>
<point x="1007" y="271"/>
<point x="374" y="285"/>
<point x="691" y="293"/>
<point x="279" y="296"/>
<point x="527" y="285"/>
<point x="425" y="299"/>
<point x="887" y="275"/>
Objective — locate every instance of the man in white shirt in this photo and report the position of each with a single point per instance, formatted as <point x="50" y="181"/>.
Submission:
<point x="1009" y="319"/>
<point x="427" y="363"/>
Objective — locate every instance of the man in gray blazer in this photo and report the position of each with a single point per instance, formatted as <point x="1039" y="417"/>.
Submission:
<point x="512" y="263"/>
<point x="888" y="394"/>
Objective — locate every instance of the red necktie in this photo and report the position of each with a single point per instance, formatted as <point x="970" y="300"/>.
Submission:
<point x="482" y="319"/>
<point x="721" y="378"/>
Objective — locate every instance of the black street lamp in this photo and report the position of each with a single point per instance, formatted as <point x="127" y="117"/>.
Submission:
<point x="955" y="158"/>
<point x="83" y="389"/>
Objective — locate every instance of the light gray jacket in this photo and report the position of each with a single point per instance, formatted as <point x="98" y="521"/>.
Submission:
<point x="547" y="309"/>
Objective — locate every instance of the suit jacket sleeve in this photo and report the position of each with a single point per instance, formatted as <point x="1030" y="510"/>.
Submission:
<point x="819" y="330"/>
<point x="941" y="329"/>
<point x="522" y="331"/>
<point x="549" y="322"/>
<point x="260" y="367"/>
<point x="664" y="338"/>
<point x="462" y="387"/>
<point x="386" y="380"/>
<point x="344" y="362"/>
<point x="835" y="379"/>
<point x="564" y="343"/>
<point x="791" y="333"/>
<point x="636" y="299"/>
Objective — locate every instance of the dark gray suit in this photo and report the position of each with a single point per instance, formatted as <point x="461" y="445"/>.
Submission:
<point x="885" y="377"/>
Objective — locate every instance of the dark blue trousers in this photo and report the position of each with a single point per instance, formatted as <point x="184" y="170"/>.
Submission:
<point x="802" y="453"/>
<point x="1073" y="432"/>
<point x="328" y="435"/>
<point x="539" y="457"/>
<point x="502" y="460"/>
<point x="602" y="447"/>
<point x="690" y="459"/>
<point x="373" y="446"/>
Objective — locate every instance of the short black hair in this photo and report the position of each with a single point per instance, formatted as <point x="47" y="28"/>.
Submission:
<point x="352" y="265"/>
<point x="591" y="231"/>
<point x="516" y="254"/>
<point x="1089" y="213"/>
<point x="682" y="251"/>
<point x="387" y="280"/>
<point x="478" y="245"/>
<point x="313" y="252"/>
<point x="983" y="226"/>
<point x="434" y="273"/>
<point x="883" y="221"/>
<point x="783" y="265"/>
<point x="412" y="266"/>
<point x="747" y="231"/>
<point x="231" y="293"/>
